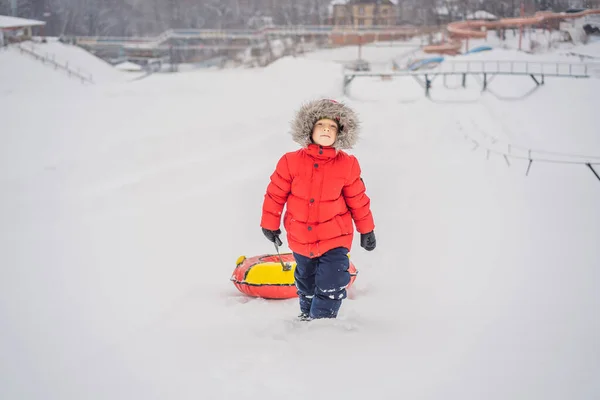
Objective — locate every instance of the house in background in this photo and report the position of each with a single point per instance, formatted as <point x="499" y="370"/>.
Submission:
<point x="13" y="29"/>
<point x="364" y="13"/>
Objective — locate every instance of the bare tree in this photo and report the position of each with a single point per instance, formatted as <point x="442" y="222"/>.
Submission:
<point x="219" y="12"/>
<point x="5" y="7"/>
<point x="151" y="17"/>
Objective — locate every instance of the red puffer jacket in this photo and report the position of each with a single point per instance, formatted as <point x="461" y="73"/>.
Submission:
<point x="324" y="194"/>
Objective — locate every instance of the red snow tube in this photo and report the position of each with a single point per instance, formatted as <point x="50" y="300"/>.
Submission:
<point x="264" y="276"/>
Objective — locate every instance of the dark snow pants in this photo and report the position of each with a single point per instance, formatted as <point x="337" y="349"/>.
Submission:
<point x="321" y="282"/>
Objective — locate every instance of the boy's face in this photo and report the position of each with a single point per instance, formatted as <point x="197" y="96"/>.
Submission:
<point x="325" y="132"/>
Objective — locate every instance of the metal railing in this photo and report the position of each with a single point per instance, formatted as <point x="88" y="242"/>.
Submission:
<point x="535" y="70"/>
<point x="575" y="69"/>
<point x="50" y="59"/>
<point x="253" y="34"/>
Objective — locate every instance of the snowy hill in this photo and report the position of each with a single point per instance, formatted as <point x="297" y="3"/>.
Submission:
<point x="125" y="206"/>
<point x="78" y="60"/>
<point x="23" y="74"/>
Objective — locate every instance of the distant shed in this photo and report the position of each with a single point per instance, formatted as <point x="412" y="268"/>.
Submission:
<point x="13" y="29"/>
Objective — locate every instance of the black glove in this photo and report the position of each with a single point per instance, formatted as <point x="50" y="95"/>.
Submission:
<point x="367" y="241"/>
<point x="273" y="236"/>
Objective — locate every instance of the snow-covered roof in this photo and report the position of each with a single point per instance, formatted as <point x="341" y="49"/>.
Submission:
<point x="336" y="3"/>
<point x="481" y="14"/>
<point x="7" y="22"/>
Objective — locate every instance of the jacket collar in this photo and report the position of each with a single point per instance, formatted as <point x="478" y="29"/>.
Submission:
<point x="321" y="152"/>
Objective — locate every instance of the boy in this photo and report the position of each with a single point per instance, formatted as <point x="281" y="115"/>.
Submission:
<point x="324" y="193"/>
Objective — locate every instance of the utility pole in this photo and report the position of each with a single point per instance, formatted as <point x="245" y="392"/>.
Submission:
<point x="521" y="26"/>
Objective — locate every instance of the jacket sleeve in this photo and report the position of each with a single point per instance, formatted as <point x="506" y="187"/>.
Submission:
<point x="277" y="194"/>
<point x="357" y="200"/>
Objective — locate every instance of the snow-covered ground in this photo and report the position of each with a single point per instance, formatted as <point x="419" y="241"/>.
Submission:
<point x="78" y="60"/>
<point x="123" y="208"/>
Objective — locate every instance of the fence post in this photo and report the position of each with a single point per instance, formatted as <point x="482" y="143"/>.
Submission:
<point x="530" y="162"/>
<point x="593" y="170"/>
<point x="528" y="167"/>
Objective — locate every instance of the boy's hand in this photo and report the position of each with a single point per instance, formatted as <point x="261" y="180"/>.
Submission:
<point x="273" y="236"/>
<point x="367" y="241"/>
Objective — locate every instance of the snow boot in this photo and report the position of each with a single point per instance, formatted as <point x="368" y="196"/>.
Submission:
<point x="304" y="317"/>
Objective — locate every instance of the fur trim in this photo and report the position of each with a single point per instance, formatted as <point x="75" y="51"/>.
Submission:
<point x="311" y="112"/>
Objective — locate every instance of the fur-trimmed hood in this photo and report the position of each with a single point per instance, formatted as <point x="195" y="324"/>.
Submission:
<point x="311" y="112"/>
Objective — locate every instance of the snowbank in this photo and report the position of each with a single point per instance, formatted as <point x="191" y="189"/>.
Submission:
<point x="79" y="60"/>
<point x="22" y="74"/>
<point x="129" y="67"/>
